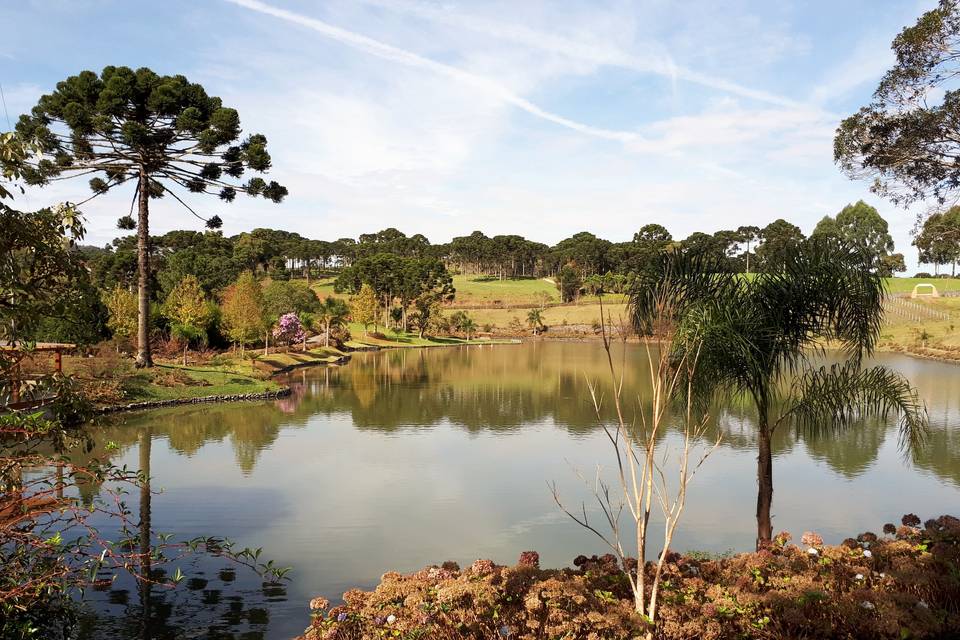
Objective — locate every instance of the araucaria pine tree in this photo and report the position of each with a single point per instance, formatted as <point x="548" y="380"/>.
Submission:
<point x="161" y="133"/>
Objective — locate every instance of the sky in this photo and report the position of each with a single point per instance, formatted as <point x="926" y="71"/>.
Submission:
<point x="535" y="118"/>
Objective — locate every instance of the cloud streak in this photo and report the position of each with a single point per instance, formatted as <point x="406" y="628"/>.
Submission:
<point x="483" y="84"/>
<point x="600" y="54"/>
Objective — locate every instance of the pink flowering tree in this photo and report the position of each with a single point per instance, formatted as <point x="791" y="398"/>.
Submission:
<point x="289" y="329"/>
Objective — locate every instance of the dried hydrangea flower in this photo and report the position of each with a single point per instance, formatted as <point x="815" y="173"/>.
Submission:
<point x="811" y="539"/>
<point x="910" y="520"/>
<point x="530" y="559"/>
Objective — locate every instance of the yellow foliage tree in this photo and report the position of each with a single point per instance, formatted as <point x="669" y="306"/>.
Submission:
<point x="122" y="306"/>
<point x="187" y="309"/>
<point x="243" y="310"/>
<point x="364" y="307"/>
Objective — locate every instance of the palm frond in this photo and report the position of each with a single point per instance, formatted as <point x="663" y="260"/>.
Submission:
<point x="835" y="397"/>
<point x="826" y="290"/>
<point x="677" y="282"/>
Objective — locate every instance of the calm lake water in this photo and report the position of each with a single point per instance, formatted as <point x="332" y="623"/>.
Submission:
<point x="401" y="459"/>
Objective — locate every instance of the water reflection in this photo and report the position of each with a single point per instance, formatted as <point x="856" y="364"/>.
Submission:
<point x="404" y="458"/>
<point x="504" y="389"/>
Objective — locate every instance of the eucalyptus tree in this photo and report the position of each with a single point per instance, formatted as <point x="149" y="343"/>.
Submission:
<point x="938" y="239"/>
<point x="158" y="132"/>
<point x="906" y="141"/>
<point x="863" y="226"/>
<point x="760" y="337"/>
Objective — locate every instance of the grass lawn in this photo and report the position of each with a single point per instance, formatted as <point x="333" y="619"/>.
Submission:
<point x="208" y="382"/>
<point x="324" y="288"/>
<point x="172" y="381"/>
<point x="910" y="329"/>
<point x="482" y="291"/>
<point x="552" y="316"/>
<point x="111" y="379"/>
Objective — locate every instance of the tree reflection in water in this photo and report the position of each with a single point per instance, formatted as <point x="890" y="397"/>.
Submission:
<point x="406" y="407"/>
<point x="505" y="388"/>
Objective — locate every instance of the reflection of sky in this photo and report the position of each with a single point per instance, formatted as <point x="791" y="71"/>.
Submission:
<point x="342" y="505"/>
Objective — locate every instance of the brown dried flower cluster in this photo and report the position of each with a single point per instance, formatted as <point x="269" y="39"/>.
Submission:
<point x="890" y="586"/>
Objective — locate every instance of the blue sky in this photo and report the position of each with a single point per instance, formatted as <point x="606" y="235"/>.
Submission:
<point x="533" y="117"/>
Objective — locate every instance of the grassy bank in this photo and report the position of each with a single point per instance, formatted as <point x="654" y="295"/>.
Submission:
<point x="900" y="584"/>
<point x="110" y="379"/>
<point x="280" y="361"/>
<point x="389" y="339"/>
<point x="926" y="327"/>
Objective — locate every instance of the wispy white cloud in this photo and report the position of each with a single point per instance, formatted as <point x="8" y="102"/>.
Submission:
<point x="486" y="85"/>
<point x="867" y="62"/>
<point x="654" y="59"/>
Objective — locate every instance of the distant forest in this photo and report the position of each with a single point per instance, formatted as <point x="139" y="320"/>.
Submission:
<point x="216" y="260"/>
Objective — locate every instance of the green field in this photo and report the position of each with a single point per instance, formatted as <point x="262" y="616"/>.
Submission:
<point x="497" y="302"/>
<point x="324" y="288"/>
<point x="905" y="285"/>
<point x="478" y="291"/>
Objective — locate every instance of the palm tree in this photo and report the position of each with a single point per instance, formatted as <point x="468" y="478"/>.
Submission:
<point x="758" y="338"/>
<point x="468" y="326"/>
<point x="535" y="320"/>
<point x="332" y="313"/>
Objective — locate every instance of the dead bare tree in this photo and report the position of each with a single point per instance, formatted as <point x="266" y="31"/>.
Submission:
<point x="642" y="484"/>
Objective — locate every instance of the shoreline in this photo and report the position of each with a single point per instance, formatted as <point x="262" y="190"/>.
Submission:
<point x="145" y="405"/>
<point x="345" y="359"/>
<point x="223" y="398"/>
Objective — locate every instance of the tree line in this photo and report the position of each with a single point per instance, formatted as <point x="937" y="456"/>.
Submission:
<point x="216" y="259"/>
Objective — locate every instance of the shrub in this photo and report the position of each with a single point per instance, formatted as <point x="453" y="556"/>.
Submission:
<point x="901" y="585"/>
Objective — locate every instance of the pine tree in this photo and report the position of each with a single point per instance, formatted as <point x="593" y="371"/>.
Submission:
<point x="161" y="133"/>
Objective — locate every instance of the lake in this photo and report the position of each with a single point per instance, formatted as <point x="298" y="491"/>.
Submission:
<point x="405" y="458"/>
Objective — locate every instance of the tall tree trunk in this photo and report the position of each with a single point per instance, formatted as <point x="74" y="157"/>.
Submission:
<point x="326" y="339"/>
<point x="185" y="346"/>
<point x="144" y="358"/>
<point x="144" y="583"/>
<point x="764" y="485"/>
